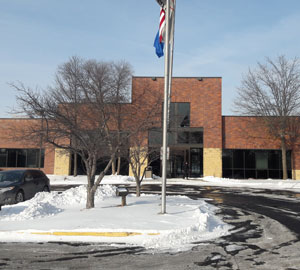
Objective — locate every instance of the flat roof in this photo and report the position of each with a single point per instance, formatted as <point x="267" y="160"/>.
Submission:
<point x="179" y="77"/>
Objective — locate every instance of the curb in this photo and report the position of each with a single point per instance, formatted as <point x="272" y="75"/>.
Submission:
<point x="95" y="234"/>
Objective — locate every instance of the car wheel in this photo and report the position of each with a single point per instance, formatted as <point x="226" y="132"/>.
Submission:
<point x="46" y="189"/>
<point x="19" y="197"/>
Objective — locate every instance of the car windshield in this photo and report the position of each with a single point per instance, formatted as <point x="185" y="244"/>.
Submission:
<point x="11" y="177"/>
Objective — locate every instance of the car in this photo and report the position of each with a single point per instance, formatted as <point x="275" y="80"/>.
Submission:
<point x="20" y="185"/>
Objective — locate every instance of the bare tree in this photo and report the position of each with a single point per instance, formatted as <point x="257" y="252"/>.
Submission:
<point x="140" y="156"/>
<point x="145" y="114"/>
<point x="119" y="95"/>
<point x="78" y="113"/>
<point x="272" y="91"/>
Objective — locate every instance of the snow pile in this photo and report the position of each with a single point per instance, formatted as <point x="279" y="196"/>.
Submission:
<point x="206" y="227"/>
<point x="29" y="211"/>
<point x="48" y="204"/>
<point x="186" y="221"/>
<point x="82" y="179"/>
<point x="254" y="183"/>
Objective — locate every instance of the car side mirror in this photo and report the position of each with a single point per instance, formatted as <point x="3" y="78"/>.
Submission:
<point x="28" y="178"/>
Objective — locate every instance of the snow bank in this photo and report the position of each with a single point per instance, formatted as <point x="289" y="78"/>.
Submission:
<point x="186" y="221"/>
<point x="82" y="179"/>
<point x="254" y="183"/>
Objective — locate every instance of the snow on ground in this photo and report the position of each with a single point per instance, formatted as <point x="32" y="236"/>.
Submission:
<point x="205" y="181"/>
<point x="82" y="179"/>
<point x="254" y="183"/>
<point x="60" y="216"/>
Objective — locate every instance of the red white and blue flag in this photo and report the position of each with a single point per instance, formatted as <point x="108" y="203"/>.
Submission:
<point x="160" y="36"/>
<point x="159" y="39"/>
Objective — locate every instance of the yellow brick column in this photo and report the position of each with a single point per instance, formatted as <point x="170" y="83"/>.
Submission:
<point x="62" y="162"/>
<point x="212" y="162"/>
<point x="296" y="174"/>
<point x="134" y="151"/>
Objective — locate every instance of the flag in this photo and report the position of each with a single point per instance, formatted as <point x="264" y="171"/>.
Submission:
<point x="159" y="46"/>
<point x="159" y="38"/>
<point x="162" y="24"/>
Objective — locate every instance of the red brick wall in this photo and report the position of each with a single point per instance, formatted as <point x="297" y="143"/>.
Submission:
<point x="204" y="97"/>
<point x="249" y="133"/>
<point x="10" y="128"/>
<point x="246" y="133"/>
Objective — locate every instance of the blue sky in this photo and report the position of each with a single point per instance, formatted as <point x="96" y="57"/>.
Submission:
<point x="212" y="38"/>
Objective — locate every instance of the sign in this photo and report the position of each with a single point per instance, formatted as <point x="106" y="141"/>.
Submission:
<point x="168" y="153"/>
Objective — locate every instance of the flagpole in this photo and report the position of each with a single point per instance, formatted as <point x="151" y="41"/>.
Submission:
<point x="165" y="112"/>
<point x="171" y="60"/>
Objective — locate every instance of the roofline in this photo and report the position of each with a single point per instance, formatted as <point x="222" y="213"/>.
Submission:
<point x="180" y="77"/>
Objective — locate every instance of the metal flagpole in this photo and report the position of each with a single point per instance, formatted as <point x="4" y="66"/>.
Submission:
<point x="165" y="112"/>
<point x="172" y="26"/>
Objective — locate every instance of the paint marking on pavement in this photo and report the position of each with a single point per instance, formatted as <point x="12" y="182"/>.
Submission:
<point x="98" y="234"/>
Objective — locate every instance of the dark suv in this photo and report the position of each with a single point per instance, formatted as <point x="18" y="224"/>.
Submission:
<point x="20" y="185"/>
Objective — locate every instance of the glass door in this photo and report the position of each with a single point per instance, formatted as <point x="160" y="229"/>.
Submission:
<point x="196" y="162"/>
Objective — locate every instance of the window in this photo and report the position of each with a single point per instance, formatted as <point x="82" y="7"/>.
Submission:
<point x="3" y="157"/>
<point x="196" y="137"/>
<point x="261" y="160"/>
<point x="183" y="137"/>
<point x="241" y="163"/>
<point x="176" y="136"/>
<point x="22" y="158"/>
<point x="155" y="137"/>
<point x="238" y="159"/>
<point x="179" y="114"/>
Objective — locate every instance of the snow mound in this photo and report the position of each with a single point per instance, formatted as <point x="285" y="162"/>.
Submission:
<point x="33" y="210"/>
<point x="49" y="204"/>
<point x="186" y="222"/>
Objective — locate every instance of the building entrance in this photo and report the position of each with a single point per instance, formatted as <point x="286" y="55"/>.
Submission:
<point x="177" y="159"/>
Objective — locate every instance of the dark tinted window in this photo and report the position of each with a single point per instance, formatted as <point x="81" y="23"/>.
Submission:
<point x="250" y="159"/>
<point x="254" y="163"/>
<point x="3" y="157"/>
<point x="196" y="137"/>
<point x="183" y="137"/>
<point x="175" y="136"/>
<point x="32" y="158"/>
<point x="261" y="160"/>
<point x="12" y="158"/>
<point x="227" y="159"/>
<point x="274" y="160"/>
<point x="22" y="158"/>
<point x="238" y="159"/>
<point x="179" y="114"/>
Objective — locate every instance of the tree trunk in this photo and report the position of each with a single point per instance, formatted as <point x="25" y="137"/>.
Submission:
<point x="283" y="154"/>
<point x="90" y="201"/>
<point x="138" y="188"/>
<point x="91" y="190"/>
<point x="113" y="167"/>
<point x="75" y="170"/>
<point x="119" y="166"/>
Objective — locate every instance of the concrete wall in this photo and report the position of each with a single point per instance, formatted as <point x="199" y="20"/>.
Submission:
<point x="212" y="162"/>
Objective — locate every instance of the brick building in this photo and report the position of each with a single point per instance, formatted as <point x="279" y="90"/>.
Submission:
<point x="212" y="144"/>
